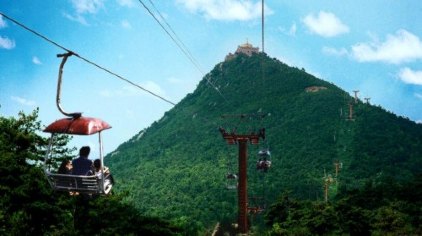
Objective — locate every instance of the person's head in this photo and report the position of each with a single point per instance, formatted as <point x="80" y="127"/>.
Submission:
<point x="97" y="164"/>
<point x="84" y="151"/>
<point x="65" y="167"/>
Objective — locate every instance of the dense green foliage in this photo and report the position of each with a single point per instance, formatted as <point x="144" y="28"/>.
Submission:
<point x="176" y="168"/>
<point x="376" y="209"/>
<point x="28" y="206"/>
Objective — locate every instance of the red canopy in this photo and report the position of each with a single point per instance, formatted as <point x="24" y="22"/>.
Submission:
<point x="81" y="125"/>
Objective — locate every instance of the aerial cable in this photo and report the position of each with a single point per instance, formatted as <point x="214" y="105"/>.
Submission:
<point x="262" y="23"/>
<point x="179" y="44"/>
<point x="175" y="35"/>
<point x="90" y="62"/>
<point x="183" y="46"/>
<point x="171" y="36"/>
<point x="84" y="59"/>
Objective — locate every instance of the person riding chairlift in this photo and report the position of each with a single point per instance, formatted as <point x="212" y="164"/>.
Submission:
<point x="97" y="168"/>
<point x="263" y="164"/>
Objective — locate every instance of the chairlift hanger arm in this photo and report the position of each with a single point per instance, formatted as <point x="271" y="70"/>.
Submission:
<point x="59" y="86"/>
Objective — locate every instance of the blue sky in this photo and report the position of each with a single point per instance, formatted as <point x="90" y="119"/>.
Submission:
<point x="371" y="46"/>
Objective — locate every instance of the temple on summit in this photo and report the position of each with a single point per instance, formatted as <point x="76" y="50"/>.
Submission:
<point x="245" y="48"/>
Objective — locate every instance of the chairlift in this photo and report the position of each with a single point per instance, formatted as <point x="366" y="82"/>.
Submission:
<point x="256" y="205"/>
<point x="76" y="124"/>
<point x="232" y="181"/>
<point x="264" y="161"/>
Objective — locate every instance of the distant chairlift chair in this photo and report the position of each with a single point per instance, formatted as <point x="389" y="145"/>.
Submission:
<point x="232" y="181"/>
<point x="264" y="162"/>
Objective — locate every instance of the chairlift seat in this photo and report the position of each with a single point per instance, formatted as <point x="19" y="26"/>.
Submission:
<point x="231" y="187"/>
<point x="78" y="183"/>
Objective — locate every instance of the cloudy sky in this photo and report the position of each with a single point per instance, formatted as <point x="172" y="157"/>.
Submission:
<point x="371" y="46"/>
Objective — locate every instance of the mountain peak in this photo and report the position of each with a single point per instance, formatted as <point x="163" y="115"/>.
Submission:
<point x="245" y="48"/>
<point x="179" y="164"/>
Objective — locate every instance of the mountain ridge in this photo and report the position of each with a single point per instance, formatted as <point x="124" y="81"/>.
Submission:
<point x="176" y="167"/>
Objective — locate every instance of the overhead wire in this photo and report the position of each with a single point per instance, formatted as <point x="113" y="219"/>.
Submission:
<point x="85" y="59"/>
<point x="184" y="47"/>
<point x="176" y="39"/>
<point x="178" y="42"/>
<point x="187" y="53"/>
<point x="185" y="50"/>
<point x="95" y="64"/>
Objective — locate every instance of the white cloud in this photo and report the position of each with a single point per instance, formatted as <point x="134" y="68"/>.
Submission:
<point x="84" y="7"/>
<point x="126" y="24"/>
<point x="87" y="6"/>
<point x="36" y="61"/>
<point x="401" y="47"/>
<point x="325" y="24"/>
<point x="335" y="52"/>
<point x="153" y="87"/>
<point x="291" y="31"/>
<point x="23" y="101"/>
<point x="126" y="3"/>
<point x="242" y="10"/>
<point x="419" y="121"/>
<point x="6" y="43"/>
<point x="2" y="22"/>
<point x="410" y="76"/>
<point x="77" y="18"/>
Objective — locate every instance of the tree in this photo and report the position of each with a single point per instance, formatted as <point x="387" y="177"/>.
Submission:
<point x="28" y="206"/>
<point x="26" y="196"/>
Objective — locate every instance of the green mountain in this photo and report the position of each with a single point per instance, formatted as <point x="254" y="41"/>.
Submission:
<point x="177" y="167"/>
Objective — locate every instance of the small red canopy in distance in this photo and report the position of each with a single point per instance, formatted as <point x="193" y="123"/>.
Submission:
<point x="81" y="126"/>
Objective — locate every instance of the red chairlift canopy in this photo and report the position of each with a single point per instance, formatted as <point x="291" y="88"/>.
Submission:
<point x="80" y="125"/>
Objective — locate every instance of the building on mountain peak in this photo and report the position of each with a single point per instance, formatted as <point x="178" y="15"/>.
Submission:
<point x="245" y="48"/>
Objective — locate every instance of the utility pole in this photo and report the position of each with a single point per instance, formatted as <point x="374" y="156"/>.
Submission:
<point x="367" y="100"/>
<point x="337" y="166"/>
<point x="356" y="95"/>
<point x="327" y="181"/>
<point x="350" y="112"/>
<point x="242" y="192"/>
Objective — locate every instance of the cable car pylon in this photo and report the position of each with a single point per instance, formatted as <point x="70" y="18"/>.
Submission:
<point x="242" y="141"/>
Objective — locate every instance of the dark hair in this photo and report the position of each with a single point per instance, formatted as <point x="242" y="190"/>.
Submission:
<point x="84" y="151"/>
<point x="97" y="163"/>
<point x="62" y="169"/>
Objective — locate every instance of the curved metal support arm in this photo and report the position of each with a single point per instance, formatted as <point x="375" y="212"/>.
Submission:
<point x="59" y="86"/>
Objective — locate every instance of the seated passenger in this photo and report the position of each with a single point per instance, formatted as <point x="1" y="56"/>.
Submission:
<point x="82" y="165"/>
<point x="231" y="176"/>
<point x="65" y="168"/>
<point x="106" y="172"/>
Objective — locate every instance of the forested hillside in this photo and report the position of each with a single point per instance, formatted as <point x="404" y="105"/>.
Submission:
<point x="177" y="167"/>
<point x="28" y="206"/>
